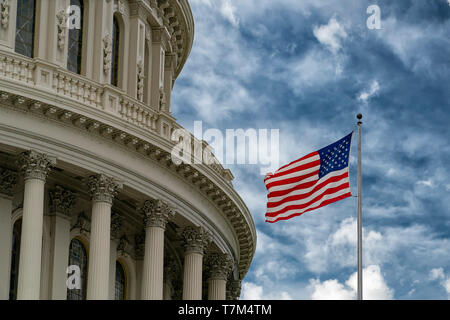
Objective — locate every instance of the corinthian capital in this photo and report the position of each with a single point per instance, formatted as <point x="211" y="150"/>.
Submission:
<point x="220" y="265"/>
<point x="8" y="180"/>
<point x="62" y="200"/>
<point x="196" y="239"/>
<point x="103" y="188"/>
<point x="35" y="165"/>
<point x="157" y="213"/>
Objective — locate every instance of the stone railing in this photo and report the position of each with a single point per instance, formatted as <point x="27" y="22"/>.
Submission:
<point x="17" y="68"/>
<point x="41" y="75"/>
<point x="77" y="88"/>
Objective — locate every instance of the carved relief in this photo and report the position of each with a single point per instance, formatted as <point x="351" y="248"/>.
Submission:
<point x="4" y="10"/>
<point x="8" y="180"/>
<point x="162" y="100"/>
<point x="116" y="225"/>
<point x="107" y="53"/>
<point x="62" y="200"/>
<point x="61" y="23"/>
<point x="140" y="81"/>
<point x="83" y="225"/>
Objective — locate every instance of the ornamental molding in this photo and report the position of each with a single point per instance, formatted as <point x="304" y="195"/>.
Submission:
<point x="107" y="53"/>
<point x="103" y="188"/>
<point x="116" y="225"/>
<point x="4" y="11"/>
<point x="35" y="165"/>
<point x="82" y="224"/>
<point x="233" y="289"/>
<point x="195" y="239"/>
<point x="140" y="80"/>
<point x="124" y="248"/>
<point x="171" y="270"/>
<point x="139" y="245"/>
<point x="157" y="213"/>
<point x="8" y="181"/>
<point x="62" y="201"/>
<point x="219" y="265"/>
<point x="61" y="24"/>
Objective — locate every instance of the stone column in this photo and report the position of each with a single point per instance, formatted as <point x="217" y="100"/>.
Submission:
<point x="35" y="168"/>
<point x="219" y="265"/>
<point x="62" y="202"/>
<point x="8" y="180"/>
<point x="156" y="215"/>
<point x="103" y="189"/>
<point x="196" y="240"/>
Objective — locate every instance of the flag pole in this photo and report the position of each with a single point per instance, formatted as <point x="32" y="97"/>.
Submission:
<point x="360" y="275"/>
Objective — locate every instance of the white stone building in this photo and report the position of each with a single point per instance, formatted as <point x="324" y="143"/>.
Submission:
<point x="86" y="173"/>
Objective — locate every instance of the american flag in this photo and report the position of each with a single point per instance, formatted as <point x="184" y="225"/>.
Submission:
<point x="311" y="182"/>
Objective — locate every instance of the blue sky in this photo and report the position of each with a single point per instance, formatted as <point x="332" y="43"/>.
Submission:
<point x="307" y="67"/>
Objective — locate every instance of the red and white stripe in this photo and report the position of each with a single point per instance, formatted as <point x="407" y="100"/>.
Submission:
<point x="296" y="188"/>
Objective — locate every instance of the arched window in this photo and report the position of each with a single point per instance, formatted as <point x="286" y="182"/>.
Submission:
<point x="26" y="14"/>
<point x="15" y="255"/>
<point x="115" y="52"/>
<point x="120" y="287"/>
<point x="76" y="38"/>
<point x="78" y="257"/>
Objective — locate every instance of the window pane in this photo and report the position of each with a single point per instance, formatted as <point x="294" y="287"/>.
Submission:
<point x="78" y="257"/>
<point x="115" y="53"/>
<point x="25" y="27"/>
<point x="76" y="42"/>
<point x="120" y="282"/>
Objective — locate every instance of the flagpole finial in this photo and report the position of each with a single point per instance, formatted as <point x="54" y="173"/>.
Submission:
<point x="359" y="117"/>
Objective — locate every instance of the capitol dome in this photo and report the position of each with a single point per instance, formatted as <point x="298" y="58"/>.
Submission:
<point x="92" y="203"/>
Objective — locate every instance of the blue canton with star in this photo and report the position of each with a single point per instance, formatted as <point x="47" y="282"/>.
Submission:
<point x="335" y="156"/>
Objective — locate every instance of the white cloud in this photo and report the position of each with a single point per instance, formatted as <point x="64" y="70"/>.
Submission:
<point x="366" y="95"/>
<point x="374" y="287"/>
<point x="251" y="291"/>
<point x="427" y="183"/>
<point x="437" y="274"/>
<point x="330" y="35"/>
<point x="330" y="290"/>
<point x="228" y="11"/>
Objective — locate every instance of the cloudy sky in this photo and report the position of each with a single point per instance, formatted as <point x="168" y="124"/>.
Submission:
<point x="307" y="67"/>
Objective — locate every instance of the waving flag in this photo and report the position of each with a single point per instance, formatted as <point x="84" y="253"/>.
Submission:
<point x="311" y="182"/>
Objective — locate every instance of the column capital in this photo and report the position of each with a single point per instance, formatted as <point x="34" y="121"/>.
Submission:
<point x="157" y="213"/>
<point x="234" y="289"/>
<point x="103" y="188"/>
<point x="62" y="201"/>
<point x="220" y="265"/>
<point x="35" y="165"/>
<point x="8" y="180"/>
<point x="196" y="239"/>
